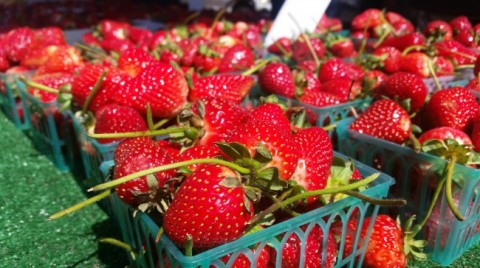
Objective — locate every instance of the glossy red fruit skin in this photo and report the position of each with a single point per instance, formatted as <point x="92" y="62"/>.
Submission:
<point x="243" y="262"/>
<point x="384" y="119"/>
<point x="456" y="52"/>
<point x="392" y="55"/>
<point x="442" y="133"/>
<point x="336" y="68"/>
<point x="475" y="135"/>
<point x="320" y="98"/>
<point x="454" y="107"/>
<point x="415" y="63"/>
<point x="53" y="80"/>
<point x="404" y="41"/>
<point x="17" y="43"/>
<point x="402" y="86"/>
<point x="282" y="46"/>
<point x="134" y="60"/>
<point x="115" y="118"/>
<point x="277" y="78"/>
<point x="344" y="89"/>
<point x="199" y="152"/>
<point x="232" y="87"/>
<point x="279" y="142"/>
<point x="343" y="49"/>
<point x="236" y="58"/>
<point x="219" y="215"/>
<point x="147" y="154"/>
<point x="367" y="19"/>
<point x="301" y="50"/>
<point x="438" y="28"/>
<point x="271" y="112"/>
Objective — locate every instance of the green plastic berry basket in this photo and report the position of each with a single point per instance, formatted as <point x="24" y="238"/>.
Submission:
<point x="444" y="82"/>
<point x="11" y="102"/>
<point x="416" y="176"/>
<point x="50" y="129"/>
<point x="139" y="230"/>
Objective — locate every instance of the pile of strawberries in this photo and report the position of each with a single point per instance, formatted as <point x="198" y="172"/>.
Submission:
<point x="221" y="168"/>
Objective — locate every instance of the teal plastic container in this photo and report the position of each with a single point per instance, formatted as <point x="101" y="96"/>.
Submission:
<point x="11" y="101"/>
<point x="50" y="130"/>
<point x="416" y="175"/>
<point x="139" y="230"/>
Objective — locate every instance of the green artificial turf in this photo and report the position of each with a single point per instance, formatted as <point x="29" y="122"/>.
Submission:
<point x="31" y="189"/>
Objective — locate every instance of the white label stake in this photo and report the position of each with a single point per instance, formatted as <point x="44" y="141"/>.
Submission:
<point x="295" y="17"/>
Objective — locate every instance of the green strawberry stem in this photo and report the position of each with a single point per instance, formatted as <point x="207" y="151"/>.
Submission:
<point x="416" y="144"/>
<point x="134" y="134"/>
<point x="94" y="91"/>
<point x="149" y="118"/>
<point x="458" y="53"/>
<point x="110" y="184"/>
<point x="381" y="202"/>
<point x="257" y="67"/>
<point x="39" y="86"/>
<point x="433" y="74"/>
<point x="307" y="194"/>
<point x="329" y="127"/>
<point x="189" y="246"/>
<point x="80" y="205"/>
<point x="91" y="49"/>
<point x="448" y="188"/>
<point x="464" y="66"/>
<point x="118" y="243"/>
<point x="412" y="47"/>
<point x="381" y="39"/>
<point x="307" y="40"/>
<point x="215" y="21"/>
<point x="285" y="54"/>
<point x="363" y="45"/>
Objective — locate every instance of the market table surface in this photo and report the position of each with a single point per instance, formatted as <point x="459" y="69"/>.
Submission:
<point x="31" y="189"/>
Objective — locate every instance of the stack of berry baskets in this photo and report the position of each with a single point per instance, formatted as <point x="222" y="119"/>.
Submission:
<point x="417" y="175"/>
<point x="51" y="129"/>
<point x="10" y="101"/>
<point x="140" y="230"/>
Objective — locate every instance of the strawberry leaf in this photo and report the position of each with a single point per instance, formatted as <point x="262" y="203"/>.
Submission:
<point x="152" y="181"/>
<point x="234" y="150"/>
<point x="253" y="194"/>
<point x="230" y="182"/>
<point x="262" y="154"/>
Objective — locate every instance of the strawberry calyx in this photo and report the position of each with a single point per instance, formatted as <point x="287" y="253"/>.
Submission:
<point x="411" y="246"/>
<point x="64" y="96"/>
<point x="341" y="173"/>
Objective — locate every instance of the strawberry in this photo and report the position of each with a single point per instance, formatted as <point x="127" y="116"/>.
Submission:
<point x="465" y="38"/>
<point x="459" y="24"/>
<point x="4" y="62"/>
<point x="207" y="59"/>
<point x="443" y="66"/>
<point x="139" y="36"/>
<point x="241" y="261"/>
<point x="159" y="85"/>
<point x="278" y="141"/>
<point x="66" y="59"/>
<point x="171" y="147"/>
<point x="456" y="52"/>
<point x="404" y="41"/>
<point x="237" y="58"/>
<point x="403" y="27"/>
<point x="220" y="214"/>
<point x="454" y="107"/>
<point x="53" y="80"/>
<point x="232" y="87"/>
<point x="37" y="56"/>
<point x="48" y="36"/>
<point x="146" y="188"/>
<point x="319" y="98"/>
<point x="442" y="133"/>
<point x="199" y="152"/>
<point x="384" y="119"/>
<point x="403" y="86"/>
<point x="217" y="117"/>
<point x="277" y="78"/>
<point x="475" y="135"/>
<point x="344" y="89"/>
<point x="385" y="244"/>
<point x="315" y="159"/>
<point x="390" y="58"/>
<point x="313" y="254"/>
<point x="113" y="29"/>
<point x="115" y="118"/>
<point x="373" y="79"/>
<point x="367" y="19"/>
<point x="17" y="43"/>
<point x="335" y="68"/>
<point x="282" y="46"/>
<point x="308" y="66"/>
<point x="134" y="60"/>
<point x="439" y="29"/>
<point x="416" y="63"/>
<point x="271" y="112"/>
<point x="112" y="44"/>
<point x="301" y="50"/>
<point x="342" y="48"/>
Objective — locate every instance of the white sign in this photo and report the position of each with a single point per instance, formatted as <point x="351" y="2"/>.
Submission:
<point x="295" y="17"/>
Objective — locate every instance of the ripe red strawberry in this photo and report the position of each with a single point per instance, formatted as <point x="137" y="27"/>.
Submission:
<point x="475" y="135"/>
<point x="113" y="29"/>
<point x="4" y="62"/>
<point x="335" y="68"/>
<point x="315" y="159"/>
<point x="53" y="80"/>
<point x="207" y="59"/>
<point x="372" y="79"/>
<point x="460" y="23"/>
<point x="442" y="133"/>
<point x="384" y="119"/>
<point x="51" y="35"/>
<point x="199" y="152"/>
<point x="443" y="66"/>
<point x="466" y="38"/>
<point x="319" y="98"/>
<point x="454" y="107"/>
<point x="415" y="63"/>
<point x="220" y="213"/>
<point x="243" y="262"/>
<point x="232" y="87"/>
<point x="385" y="244"/>
<point x="271" y="112"/>
<point x="308" y="66"/>
<point x="278" y="141"/>
<point x="456" y="52"/>
<point x="115" y="118"/>
<point x="344" y="89"/>
<point x="301" y="50"/>
<point x="86" y="79"/>
<point x="159" y="85"/>
<point x="313" y="254"/>
<point x="90" y="39"/>
<point x="403" y="86"/>
<point x="134" y="60"/>
<point x="237" y="58"/>
<point x="17" y="43"/>
<point x="171" y="147"/>
<point x="37" y="56"/>
<point x="143" y="189"/>
<point x="217" y="118"/>
<point x="342" y="48"/>
<point x="404" y="41"/>
<point x="367" y="19"/>
<point x="112" y="44"/>
<point x="439" y="29"/>
<point x="139" y="36"/>
<point x="66" y="59"/>
<point x="277" y="78"/>
<point x="282" y="47"/>
<point x="390" y="58"/>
